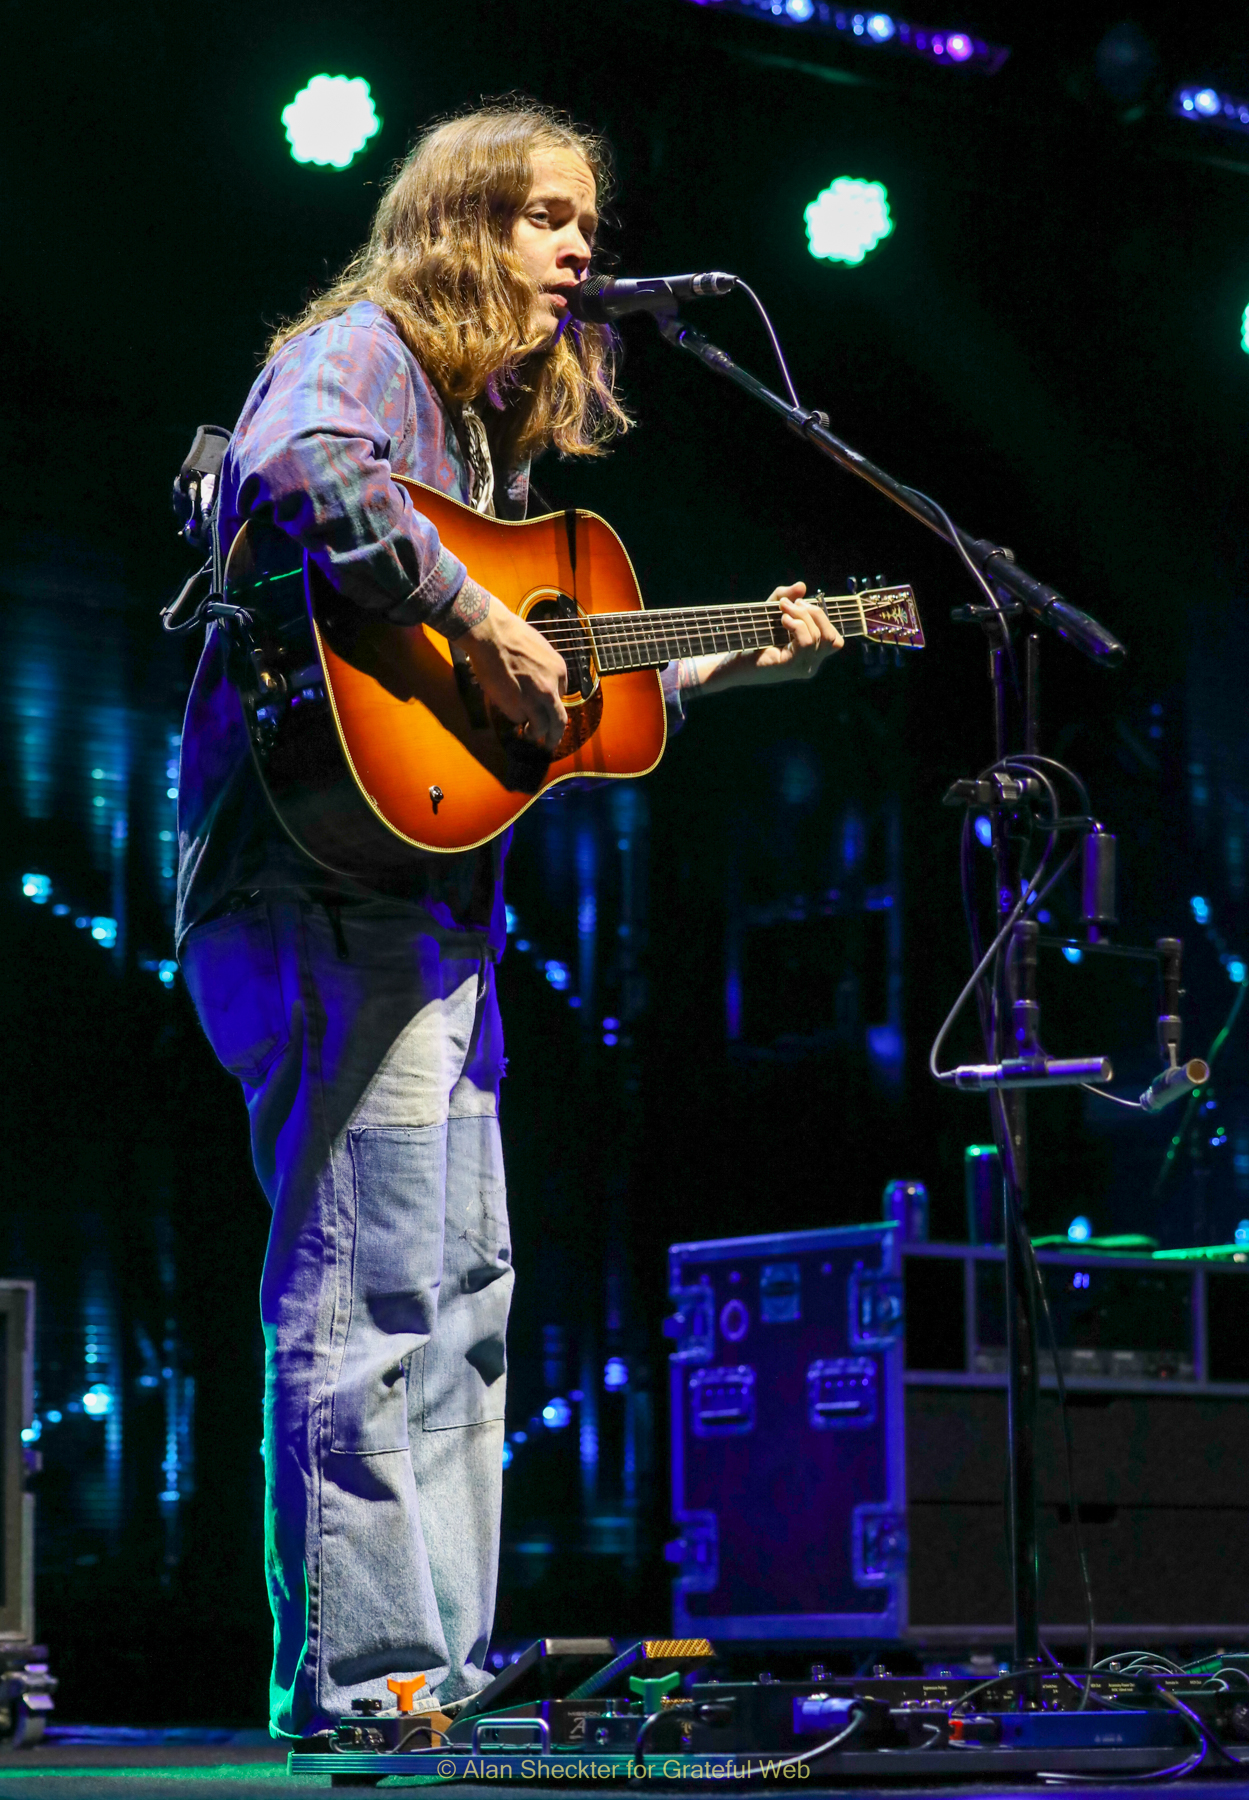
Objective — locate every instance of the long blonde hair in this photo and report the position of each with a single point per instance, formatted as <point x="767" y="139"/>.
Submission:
<point x="440" y="262"/>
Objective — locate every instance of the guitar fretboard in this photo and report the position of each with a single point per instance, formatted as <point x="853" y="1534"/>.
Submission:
<point x="649" y="640"/>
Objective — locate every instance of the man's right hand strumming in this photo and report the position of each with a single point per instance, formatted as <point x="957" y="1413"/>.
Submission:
<point x="520" y="673"/>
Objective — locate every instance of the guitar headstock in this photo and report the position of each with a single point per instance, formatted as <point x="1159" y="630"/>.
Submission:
<point x="890" y="615"/>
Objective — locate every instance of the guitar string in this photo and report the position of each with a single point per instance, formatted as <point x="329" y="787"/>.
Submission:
<point x="688" y="621"/>
<point x="615" y="632"/>
<point x="727" y="613"/>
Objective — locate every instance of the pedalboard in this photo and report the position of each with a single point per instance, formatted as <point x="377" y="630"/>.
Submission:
<point x="577" y="1709"/>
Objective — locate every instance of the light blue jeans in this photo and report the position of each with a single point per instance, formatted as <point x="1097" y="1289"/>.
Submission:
<point x="370" y="1054"/>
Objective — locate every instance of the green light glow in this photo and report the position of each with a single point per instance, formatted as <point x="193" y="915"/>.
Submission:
<point x="1244" y="331"/>
<point x="330" y="120"/>
<point x="847" y="220"/>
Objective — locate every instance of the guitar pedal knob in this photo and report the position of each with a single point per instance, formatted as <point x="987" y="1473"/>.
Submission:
<point x="436" y="795"/>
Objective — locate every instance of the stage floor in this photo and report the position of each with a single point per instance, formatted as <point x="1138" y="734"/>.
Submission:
<point x="248" y="1766"/>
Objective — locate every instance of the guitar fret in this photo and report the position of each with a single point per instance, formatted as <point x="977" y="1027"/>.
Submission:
<point x="639" y="640"/>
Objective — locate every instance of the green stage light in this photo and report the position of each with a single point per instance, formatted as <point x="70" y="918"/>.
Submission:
<point x="330" y="120"/>
<point x="847" y="220"/>
<point x="1244" y="331"/>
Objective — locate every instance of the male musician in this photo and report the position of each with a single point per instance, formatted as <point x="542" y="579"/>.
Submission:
<point x="361" y="1019"/>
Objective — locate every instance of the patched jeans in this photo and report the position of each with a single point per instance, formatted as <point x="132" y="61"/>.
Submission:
<point x="370" y="1055"/>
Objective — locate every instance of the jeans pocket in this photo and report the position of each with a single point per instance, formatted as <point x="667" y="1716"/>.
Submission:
<point x="231" y="972"/>
<point x="392" y="1244"/>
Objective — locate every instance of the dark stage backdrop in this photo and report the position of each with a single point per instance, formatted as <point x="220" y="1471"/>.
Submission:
<point x="1049" y="343"/>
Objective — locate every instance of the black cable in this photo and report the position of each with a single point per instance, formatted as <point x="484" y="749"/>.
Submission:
<point x="776" y="342"/>
<point x="1031" y="898"/>
<point x="857" y="1721"/>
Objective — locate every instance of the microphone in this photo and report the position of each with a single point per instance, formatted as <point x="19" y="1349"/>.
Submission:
<point x="603" y="297"/>
<point x="1175" y="1084"/>
<point x="1028" y="1072"/>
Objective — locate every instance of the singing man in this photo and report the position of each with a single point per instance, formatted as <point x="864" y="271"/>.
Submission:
<point x="360" y="1017"/>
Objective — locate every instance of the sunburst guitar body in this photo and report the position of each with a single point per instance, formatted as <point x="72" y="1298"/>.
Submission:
<point x="375" y="743"/>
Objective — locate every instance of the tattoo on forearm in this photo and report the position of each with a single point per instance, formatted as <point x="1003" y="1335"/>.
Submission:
<point x="469" y="608"/>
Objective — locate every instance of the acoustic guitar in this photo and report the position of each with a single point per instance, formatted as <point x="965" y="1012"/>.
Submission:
<point x="374" y="741"/>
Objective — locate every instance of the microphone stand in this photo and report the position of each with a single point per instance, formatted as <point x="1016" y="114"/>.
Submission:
<point x="1013" y="592"/>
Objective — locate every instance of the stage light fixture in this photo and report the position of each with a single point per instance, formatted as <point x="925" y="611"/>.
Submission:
<point x="331" y="120"/>
<point x="849" y="218"/>
<point x="1210" y="106"/>
<point x="873" y="28"/>
<point x="1080" y="1230"/>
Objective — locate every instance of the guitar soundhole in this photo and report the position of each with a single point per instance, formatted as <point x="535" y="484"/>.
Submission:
<point x="557" y="617"/>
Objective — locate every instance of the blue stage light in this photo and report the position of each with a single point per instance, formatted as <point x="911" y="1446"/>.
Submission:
<point x="1080" y="1229"/>
<point x="1073" y="953"/>
<point x="507" y="1454"/>
<point x="167" y="972"/>
<point x="615" y="1374"/>
<point x="37" y="888"/>
<point x="557" y="974"/>
<point x="1241" y="1234"/>
<point x="53" y="1416"/>
<point x="512" y="921"/>
<point x="97" y="1402"/>
<point x="1207" y="106"/>
<point x="1235" y="970"/>
<point x="849" y="218"/>
<point x="104" y="931"/>
<point x="33" y="1432"/>
<point x="984" y="830"/>
<point x="1244" y="331"/>
<point x="556" y="1414"/>
<point x="876" y="29"/>
<point x="1200" y="908"/>
<point x="330" y="120"/>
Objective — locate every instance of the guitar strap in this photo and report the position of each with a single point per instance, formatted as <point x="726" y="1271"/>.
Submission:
<point x="196" y="495"/>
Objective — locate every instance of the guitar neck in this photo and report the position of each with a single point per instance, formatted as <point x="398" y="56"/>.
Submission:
<point x="649" y="640"/>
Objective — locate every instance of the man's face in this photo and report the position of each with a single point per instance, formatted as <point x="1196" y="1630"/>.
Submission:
<point x="554" y="234"/>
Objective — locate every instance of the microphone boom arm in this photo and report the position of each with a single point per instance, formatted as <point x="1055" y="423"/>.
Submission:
<point x="995" y="563"/>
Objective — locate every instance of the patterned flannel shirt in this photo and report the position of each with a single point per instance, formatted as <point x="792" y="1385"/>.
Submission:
<point x="339" y="410"/>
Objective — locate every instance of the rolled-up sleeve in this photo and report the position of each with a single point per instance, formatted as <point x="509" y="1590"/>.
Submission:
<point x="314" y="452"/>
